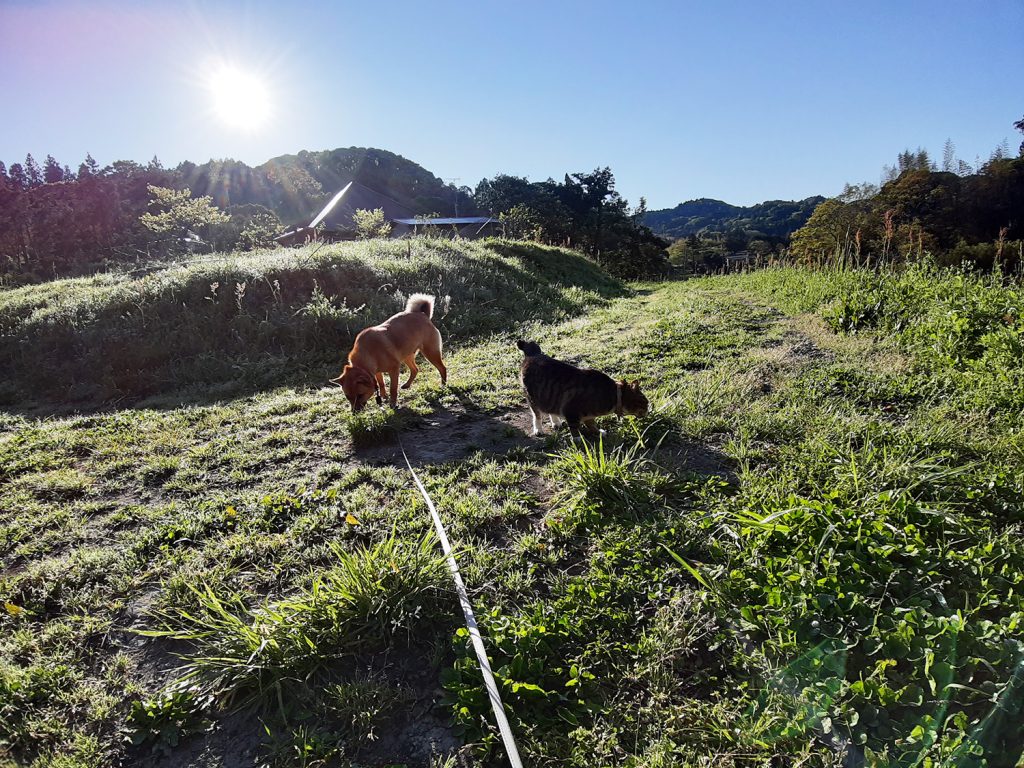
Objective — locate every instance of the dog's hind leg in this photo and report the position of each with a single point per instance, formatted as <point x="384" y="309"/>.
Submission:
<point x="413" y="370"/>
<point x="432" y="351"/>
<point x="394" y="373"/>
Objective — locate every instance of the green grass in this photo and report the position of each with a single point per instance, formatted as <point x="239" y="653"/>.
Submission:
<point x="234" y="323"/>
<point x="810" y="548"/>
<point x="368" y="599"/>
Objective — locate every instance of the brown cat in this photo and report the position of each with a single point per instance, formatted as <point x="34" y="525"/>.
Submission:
<point x="576" y="395"/>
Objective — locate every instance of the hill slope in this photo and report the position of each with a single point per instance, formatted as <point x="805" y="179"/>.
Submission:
<point x="293" y="186"/>
<point x="234" y="320"/>
<point x="775" y="218"/>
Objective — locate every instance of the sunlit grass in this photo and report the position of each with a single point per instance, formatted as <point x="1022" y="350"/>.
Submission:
<point x="846" y="502"/>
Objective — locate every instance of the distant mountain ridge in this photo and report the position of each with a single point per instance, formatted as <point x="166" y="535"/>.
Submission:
<point x="774" y="218"/>
<point x="296" y="186"/>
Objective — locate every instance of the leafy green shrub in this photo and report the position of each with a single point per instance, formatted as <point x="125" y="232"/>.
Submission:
<point x="853" y="313"/>
<point x="897" y="632"/>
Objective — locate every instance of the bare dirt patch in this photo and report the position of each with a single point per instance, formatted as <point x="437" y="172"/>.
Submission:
<point x="451" y="434"/>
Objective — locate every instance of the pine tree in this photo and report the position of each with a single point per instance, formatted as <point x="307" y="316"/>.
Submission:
<point x="52" y="172"/>
<point x="5" y="180"/>
<point x="1001" y="152"/>
<point x="18" y="179"/>
<point x="949" y="157"/>
<point x="33" y="174"/>
<point x="88" y="168"/>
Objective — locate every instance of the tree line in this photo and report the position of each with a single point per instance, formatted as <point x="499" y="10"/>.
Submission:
<point x="583" y="211"/>
<point x="58" y="222"/>
<point x="956" y="212"/>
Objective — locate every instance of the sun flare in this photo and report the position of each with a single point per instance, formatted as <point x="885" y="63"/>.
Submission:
<point x="240" y="98"/>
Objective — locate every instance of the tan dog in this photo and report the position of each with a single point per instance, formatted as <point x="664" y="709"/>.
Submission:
<point x="383" y="348"/>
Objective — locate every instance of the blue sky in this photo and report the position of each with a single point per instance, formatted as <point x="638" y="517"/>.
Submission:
<point x="742" y="101"/>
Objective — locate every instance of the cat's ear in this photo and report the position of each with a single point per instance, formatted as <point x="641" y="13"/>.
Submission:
<point x="635" y="385"/>
<point x="623" y="383"/>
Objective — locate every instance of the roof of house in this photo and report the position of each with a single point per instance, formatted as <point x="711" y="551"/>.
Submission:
<point x="337" y="214"/>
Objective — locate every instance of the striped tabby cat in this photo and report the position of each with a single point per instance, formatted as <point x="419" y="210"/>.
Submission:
<point x="576" y="395"/>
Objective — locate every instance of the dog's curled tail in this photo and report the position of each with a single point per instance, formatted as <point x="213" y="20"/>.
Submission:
<point x="420" y="302"/>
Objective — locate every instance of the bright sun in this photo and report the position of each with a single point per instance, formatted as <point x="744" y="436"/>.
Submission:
<point x="240" y="99"/>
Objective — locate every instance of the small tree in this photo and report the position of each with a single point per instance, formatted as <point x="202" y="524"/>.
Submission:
<point x="17" y="176"/>
<point x="425" y="225"/>
<point x="259" y="231"/>
<point x="178" y="213"/>
<point x="520" y="222"/>
<point x="370" y="224"/>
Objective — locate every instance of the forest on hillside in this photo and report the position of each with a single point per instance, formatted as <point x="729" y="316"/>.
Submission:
<point x="58" y="222"/>
<point x="950" y="210"/>
<point x="957" y="215"/>
<point x="770" y="220"/>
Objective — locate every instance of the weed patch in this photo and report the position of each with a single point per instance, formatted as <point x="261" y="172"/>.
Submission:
<point x="252" y="655"/>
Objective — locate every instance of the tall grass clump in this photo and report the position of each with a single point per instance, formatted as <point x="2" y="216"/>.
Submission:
<point x="370" y="598"/>
<point x="242" y="318"/>
<point x="597" y="482"/>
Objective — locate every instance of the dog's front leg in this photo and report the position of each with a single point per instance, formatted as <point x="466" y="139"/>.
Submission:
<point x="381" y="390"/>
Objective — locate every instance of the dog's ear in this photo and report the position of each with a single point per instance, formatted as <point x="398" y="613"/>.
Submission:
<point x="337" y="379"/>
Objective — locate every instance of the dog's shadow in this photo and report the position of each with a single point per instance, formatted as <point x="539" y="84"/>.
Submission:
<point x="449" y="432"/>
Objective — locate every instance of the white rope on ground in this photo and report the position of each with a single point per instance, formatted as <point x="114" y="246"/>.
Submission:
<point x="474" y="632"/>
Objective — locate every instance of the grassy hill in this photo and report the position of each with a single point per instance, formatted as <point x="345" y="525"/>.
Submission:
<point x="775" y="218"/>
<point x="228" y="323"/>
<point x="809" y="550"/>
